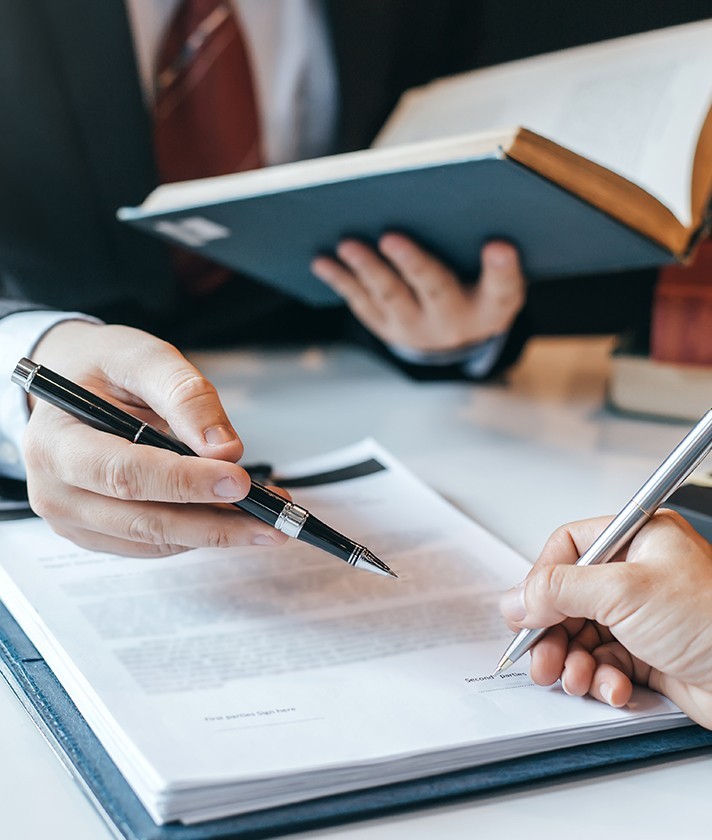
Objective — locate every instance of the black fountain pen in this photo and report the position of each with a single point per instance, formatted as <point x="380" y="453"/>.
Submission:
<point x="269" y="507"/>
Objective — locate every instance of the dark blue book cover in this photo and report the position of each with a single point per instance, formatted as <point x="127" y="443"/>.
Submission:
<point x="451" y="207"/>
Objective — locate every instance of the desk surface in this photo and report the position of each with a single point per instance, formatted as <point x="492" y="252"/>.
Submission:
<point x="510" y="457"/>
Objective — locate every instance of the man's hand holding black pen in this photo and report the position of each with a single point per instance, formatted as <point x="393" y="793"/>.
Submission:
<point x="105" y="495"/>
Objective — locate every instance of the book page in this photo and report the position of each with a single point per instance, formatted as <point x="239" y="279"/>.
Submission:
<point x="635" y="105"/>
<point x="222" y="681"/>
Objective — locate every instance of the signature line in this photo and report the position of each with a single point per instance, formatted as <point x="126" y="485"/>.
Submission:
<point x="260" y="725"/>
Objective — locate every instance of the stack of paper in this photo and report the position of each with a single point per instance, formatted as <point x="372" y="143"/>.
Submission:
<point x="227" y="681"/>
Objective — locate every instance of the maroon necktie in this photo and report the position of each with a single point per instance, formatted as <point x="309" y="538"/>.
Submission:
<point x="206" y="119"/>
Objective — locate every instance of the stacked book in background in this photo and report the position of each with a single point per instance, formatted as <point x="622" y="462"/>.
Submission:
<point x="674" y="380"/>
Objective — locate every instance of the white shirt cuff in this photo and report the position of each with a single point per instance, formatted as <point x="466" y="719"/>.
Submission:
<point x="19" y="335"/>
<point x="475" y="360"/>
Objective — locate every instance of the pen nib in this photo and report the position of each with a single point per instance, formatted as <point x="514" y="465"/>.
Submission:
<point x="502" y="665"/>
<point x="368" y="561"/>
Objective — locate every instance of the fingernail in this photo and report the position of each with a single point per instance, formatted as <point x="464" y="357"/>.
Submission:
<point x="350" y="256"/>
<point x="512" y="603"/>
<point x="498" y="257"/>
<point x="228" y="488"/>
<point x="563" y="684"/>
<point x="606" y="693"/>
<point x="264" y="539"/>
<point x="393" y="248"/>
<point x="217" y="435"/>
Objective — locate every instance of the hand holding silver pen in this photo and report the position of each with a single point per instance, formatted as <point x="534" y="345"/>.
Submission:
<point x="644" y="621"/>
<point x="662" y="483"/>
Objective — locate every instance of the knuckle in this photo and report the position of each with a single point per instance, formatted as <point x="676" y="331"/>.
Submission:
<point x="37" y="451"/>
<point x="219" y="537"/>
<point x="335" y="279"/>
<point x="561" y="537"/>
<point x="351" y="295"/>
<point x="44" y="504"/>
<point x="418" y="265"/>
<point x="182" y="484"/>
<point x="147" y="528"/>
<point x="505" y="298"/>
<point x="362" y="307"/>
<point x="64" y="531"/>
<point x="189" y="386"/>
<point x="163" y="550"/>
<point x="542" y="589"/>
<point x="550" y="582"/>
<point x="558" y="545"/>
<point x="508" y="297"/>
<point x="633" y="579"/>
<point x="401" y="305"/>
<point x="670" y="518"/>
<point x="142" y="344"/>
<point x="121" y="478"/>
<point x="630" y="585"/>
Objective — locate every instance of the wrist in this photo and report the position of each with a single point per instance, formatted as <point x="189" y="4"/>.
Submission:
<point x="476" y="359"/>
<point x="63" y="338"/>
<point x="447" y="356"/>
<point x="60" y="341"/>
<point x="20" y="335"/>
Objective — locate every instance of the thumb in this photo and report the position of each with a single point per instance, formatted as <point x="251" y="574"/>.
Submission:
<point x="553" y="593"/>
<point x="501" y="290"/>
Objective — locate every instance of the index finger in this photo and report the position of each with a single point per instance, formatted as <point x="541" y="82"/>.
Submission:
<point x="80" y="456"/>
<point x="168" y="383"/>
<point x="564" y="547"/>
<point x="429" y="278"/>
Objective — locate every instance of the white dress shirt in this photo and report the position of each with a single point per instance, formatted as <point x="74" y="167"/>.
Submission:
<point x="292" y="65"/>
<point x="19" y="334"/>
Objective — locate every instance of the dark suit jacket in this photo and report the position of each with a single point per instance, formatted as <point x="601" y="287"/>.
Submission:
<point x="76" y="144"/>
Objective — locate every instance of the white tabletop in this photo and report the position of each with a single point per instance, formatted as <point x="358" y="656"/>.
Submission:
<point x="519" y="458"/>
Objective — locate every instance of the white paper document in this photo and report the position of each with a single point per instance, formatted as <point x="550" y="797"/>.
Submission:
<point x="225" y="681"/>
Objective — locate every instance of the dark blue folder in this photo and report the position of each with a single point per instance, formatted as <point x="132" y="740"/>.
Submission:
<point x="76" y="745"/>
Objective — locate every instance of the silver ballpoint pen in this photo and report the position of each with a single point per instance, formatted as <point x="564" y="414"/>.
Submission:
<point x="678" y="465"/>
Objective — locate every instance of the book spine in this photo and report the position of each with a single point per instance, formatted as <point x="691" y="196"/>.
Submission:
<point x="681" y="327"/>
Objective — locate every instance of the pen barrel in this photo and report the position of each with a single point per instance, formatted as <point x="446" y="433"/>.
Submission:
<point x="320" y="535"/>
<point x="523" y="641"/>
<point x="263" y="503"/>
<point x="616" y="536"/>
<point x="683" y="459"/>
<point x="77" y="401"/>
<point x="150" y="436"/>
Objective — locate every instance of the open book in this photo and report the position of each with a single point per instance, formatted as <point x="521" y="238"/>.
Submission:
<point x="228" y="681"/>
<point x="592" y="159"/>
